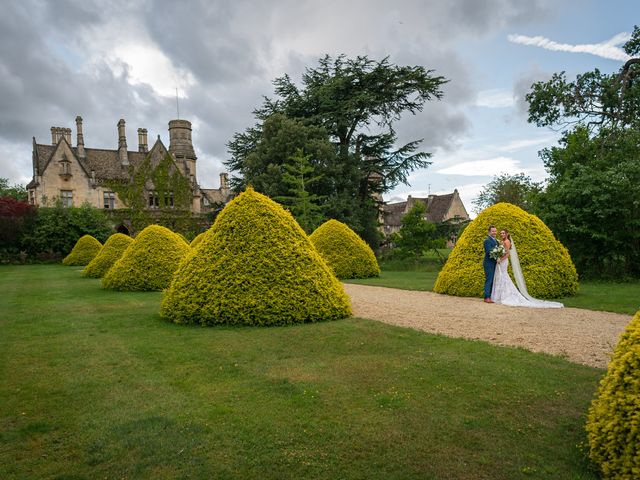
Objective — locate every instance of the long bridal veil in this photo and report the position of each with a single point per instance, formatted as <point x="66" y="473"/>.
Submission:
<point x="522" y="285"/>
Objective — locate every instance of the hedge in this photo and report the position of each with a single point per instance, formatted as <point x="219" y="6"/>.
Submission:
<point x="254" y="266"/>
<point x="613" y="421"/>
<point x="110" y="252"/>
<point x="546" y="264"/>
<point x="83" y="251"/>
<point x="346" y="253"/>
<point x="197" y="240"/>
<point x="149" y="261"/>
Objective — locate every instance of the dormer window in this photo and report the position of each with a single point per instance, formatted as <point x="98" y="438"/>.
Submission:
<point x="65" y="167"/>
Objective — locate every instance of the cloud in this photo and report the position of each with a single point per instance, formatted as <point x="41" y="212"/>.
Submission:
<point x="522" y="86"/>
<point x="607" y="49"/>
<point x="524" y="143"/>
<point x="487" y="167"/>
<point x="495" y="98"/>
<point x="122" y="59"/>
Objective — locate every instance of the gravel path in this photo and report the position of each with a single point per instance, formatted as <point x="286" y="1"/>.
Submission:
<point x="581" y="336"/>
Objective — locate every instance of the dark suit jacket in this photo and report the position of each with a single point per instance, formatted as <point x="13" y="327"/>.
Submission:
<point x="489" y="243"/>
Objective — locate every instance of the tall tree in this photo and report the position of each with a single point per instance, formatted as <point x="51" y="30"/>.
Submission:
<point x="304" y="206"/>
<point x="517" y="189"/>
<point x="591" y="200"/>
<point x="356" y="102"/>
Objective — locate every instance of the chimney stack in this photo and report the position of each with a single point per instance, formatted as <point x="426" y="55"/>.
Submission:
<point x="142" y="140"/>
<point x="122" y="144"/>
<point x="67" y="134"/>
<point x="224" y="181"/>
<point x="56" y="134"/>
<point x="81" y="152"/>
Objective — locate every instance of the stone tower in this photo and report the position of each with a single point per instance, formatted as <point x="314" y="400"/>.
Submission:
<point x="181" y="147"/>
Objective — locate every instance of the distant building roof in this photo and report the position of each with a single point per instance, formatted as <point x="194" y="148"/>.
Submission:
<point x="439" y="208"/>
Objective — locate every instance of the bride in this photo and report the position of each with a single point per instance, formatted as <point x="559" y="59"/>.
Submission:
<point x="504" y="291"/>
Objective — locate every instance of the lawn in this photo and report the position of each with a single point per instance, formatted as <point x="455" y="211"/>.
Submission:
<point x="96" y="385"/>
<point x="592" y="295"/>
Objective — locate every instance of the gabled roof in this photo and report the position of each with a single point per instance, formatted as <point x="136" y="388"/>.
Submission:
<point x="437" y="208"/>
<point x="104" y="163"/>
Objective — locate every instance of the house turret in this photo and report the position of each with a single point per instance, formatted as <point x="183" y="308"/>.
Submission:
<point x="181" y="147"/>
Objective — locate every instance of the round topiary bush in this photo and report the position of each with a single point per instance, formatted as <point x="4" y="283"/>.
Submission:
<point x="613" y="421"/>
<point x="197" y="240"/>
<point x="110" y="252"/>
<point x="149" y="261"/>
<point x="346" y="253"/>
<point x="546" y="264"/>
<point x="254" y="266"/>
<point x="83" y="251"/>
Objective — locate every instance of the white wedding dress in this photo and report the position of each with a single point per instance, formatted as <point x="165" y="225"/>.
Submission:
<point x="506" y="293"/>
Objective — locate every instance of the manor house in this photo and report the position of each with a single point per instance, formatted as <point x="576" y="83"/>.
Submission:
<point x="440" y="208"/>
<point x="77" y="174"/>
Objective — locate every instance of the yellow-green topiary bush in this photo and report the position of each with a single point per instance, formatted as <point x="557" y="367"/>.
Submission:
<point x="255" y="266"/>
<point x="613" y="421"/>
<point x="197" y="240"/>
<point x="546" y="264"/>
<point x="346" y="253"/>
<point x="110" y="252"/>
<point x="149" y="261"/>
<point x="83" y="251"/>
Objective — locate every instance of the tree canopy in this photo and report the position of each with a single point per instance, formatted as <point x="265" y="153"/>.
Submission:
<point x="594" y="99"/>
<point x="351" y="105"/>
<point x="19" y="192"/>
<point x="592" y="198"/>
<point x="518" y="189"/>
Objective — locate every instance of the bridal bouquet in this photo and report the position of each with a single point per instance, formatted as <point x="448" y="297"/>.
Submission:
<point x="497" y="252"/>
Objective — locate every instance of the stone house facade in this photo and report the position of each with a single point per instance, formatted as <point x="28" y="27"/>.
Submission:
<point x="440" y="208"/>
<point x="78" y="174"/>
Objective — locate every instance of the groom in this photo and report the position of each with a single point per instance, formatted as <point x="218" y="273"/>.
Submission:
<point x="488" y="263"/>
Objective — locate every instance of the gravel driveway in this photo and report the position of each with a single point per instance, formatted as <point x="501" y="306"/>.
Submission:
<point x="581" y="336"/>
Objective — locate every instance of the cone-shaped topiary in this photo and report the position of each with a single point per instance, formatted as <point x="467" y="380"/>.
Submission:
<point x="197" y="240"/>
<point x="546" y="264"/>
<point x="149" y="262"/>
<point x="255" y="266"/>
<point x="613" y="422"/>
<point x="346" y="253"/>
<point x="111" y="251"/>
<point x="83" y="251"/>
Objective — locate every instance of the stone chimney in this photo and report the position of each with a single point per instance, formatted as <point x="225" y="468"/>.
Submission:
<point x="122" y="144"/>
<point x="81" y="152"/>
<point x="67" y="134"/>
<point x="142" y="140"/>
<point x="224" y="181"/>
<point x="56" y="134"/>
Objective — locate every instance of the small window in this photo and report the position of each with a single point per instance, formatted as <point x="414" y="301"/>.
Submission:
<point x="168" y="199"/>
<point x="153" y="200"/>
<point x="66" y="197"/>
<point x="109" y="200"/>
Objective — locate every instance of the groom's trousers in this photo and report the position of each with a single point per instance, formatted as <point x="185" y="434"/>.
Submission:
<point x="489" y="271"/>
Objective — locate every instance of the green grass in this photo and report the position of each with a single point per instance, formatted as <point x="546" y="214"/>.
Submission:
<point x="592" y="295"/>
<point x="95" y="385"/>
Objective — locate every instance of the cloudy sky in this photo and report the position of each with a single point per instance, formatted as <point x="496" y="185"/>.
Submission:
<point x="106" y="60"/>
